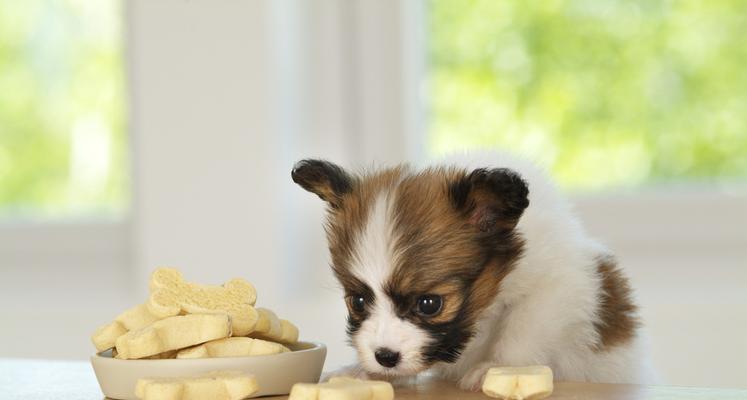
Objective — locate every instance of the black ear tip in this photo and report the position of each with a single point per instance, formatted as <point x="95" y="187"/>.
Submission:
<point x="325" y="179"/>
<point x="308" y="168"/>
<point x="522" y="188"/>
<point x="303" y="164"/>
<point x="298" y="170"/>
<point x="504" y="183"/>
<point x="514" y="186"/>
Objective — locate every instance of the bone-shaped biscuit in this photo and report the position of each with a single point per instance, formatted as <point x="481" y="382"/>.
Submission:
<point x="106" y="335"/>
<point x="270" y="327"/>
<point x="268" y="323"/>
<point x="343" y="388"/>
<point x="380" y="390"/>
<point x="518" y="383"/>
<point x="289" y="333"/>
<point x="220" y="385"/>
<point x="233" y="347"/>
<point x="171" y="295"/>
<point x="134" y="318"/>
<point x="138" y="317"/>
<point x="173" y="333"/>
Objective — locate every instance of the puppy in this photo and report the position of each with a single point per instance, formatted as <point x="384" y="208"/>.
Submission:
<point x="457" y="268"/>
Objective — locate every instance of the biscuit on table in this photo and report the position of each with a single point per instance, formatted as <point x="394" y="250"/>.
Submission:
<point x="343" y="388"/>
<point x="518" y="383"/>
<point x="220" y="385"/>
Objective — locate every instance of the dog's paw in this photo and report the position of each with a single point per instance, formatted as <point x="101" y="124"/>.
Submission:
<point x="474" y="378"/>
<point x="353" y="371"/>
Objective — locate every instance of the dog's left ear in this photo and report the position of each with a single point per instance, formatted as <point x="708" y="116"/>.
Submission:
<point x="323" y="178"/>
<point x="491" y="199"/>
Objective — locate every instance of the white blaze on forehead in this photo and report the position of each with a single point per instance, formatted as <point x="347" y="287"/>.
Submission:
<point x="374" y="258"/>
<point x="373" y="253"/>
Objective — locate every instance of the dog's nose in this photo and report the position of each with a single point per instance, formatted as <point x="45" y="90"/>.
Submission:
<point x="386" y="357"/>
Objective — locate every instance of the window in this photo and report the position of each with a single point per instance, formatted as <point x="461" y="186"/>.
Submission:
<point x="605" y="93"/>
<point x="62" y="125"/>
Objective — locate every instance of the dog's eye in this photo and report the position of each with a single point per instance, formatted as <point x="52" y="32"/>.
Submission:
<point x="429" y="305"/>
<point x="357" y="303"/>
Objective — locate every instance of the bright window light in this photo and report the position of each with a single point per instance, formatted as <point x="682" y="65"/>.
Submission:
<point x="604" y="93"/>
<point x="63" y="147"/>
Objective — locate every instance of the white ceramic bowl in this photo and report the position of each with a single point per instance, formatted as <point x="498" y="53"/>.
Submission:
<point x="275" y="373"/>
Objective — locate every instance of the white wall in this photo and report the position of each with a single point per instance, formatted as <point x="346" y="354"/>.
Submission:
<point x="205" y="148"/>
<point x="216" y="127"/>
<point x="57" y="282"/>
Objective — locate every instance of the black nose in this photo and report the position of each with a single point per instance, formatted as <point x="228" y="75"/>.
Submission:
<point x="386" y="357"/>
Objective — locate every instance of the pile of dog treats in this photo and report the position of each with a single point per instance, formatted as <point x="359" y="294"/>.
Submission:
<point x="187" y="320"/>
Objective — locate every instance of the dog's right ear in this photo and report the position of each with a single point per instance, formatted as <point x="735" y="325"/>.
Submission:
<point x="323" y="178"/>
<point x="491" y="198"/>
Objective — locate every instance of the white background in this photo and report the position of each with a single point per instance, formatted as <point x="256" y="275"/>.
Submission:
<point x="225" y="95"/>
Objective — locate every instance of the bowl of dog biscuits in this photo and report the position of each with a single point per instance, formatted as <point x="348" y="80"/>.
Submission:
<point x="193" y="341"/>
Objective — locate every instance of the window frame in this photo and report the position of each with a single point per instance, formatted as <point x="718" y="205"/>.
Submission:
<point x="44" y="243"/>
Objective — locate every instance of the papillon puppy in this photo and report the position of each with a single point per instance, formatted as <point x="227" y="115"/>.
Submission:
<point x="471" y="264"/>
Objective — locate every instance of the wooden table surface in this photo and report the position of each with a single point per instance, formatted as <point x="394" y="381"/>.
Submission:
<point x="439" y="390"/>
<point x="62" y="380"/>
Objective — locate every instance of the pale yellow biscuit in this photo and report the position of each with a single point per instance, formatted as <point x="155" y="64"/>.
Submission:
<point x="380" y="390"/>
<point x="171" y="295"/>
<point x="233" y="347"/>
<point x="345" y="391"/>
<point x="268" y="322"/>
<point x="106" y="335"/>
<point x="304" y="391"/>
<point x="518" y="383"/>
<point x="270" y="327"/>
<point x="138" y="317"/>
<point x="173" y="333"/>
<point x="289" y="332"/>
<point x="221" y="385"/>
<point x="134" y="318"/>
<point x="161" y="356"/>
<point x="343" y="388"/>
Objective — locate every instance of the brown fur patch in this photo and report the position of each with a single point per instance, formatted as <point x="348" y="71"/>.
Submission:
<point x="486" y="287"/>
<point x="345" y="223"/>
<point x="440" y="251"/>
<point x="618" y="318"/>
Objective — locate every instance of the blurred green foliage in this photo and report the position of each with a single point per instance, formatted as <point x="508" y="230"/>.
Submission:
<point x="604" y="93"/>
<point x="62" y="134"/>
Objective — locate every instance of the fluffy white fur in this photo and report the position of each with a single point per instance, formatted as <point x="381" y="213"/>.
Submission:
<point x="545" y="309"/>
<point x="373" y="260"/>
